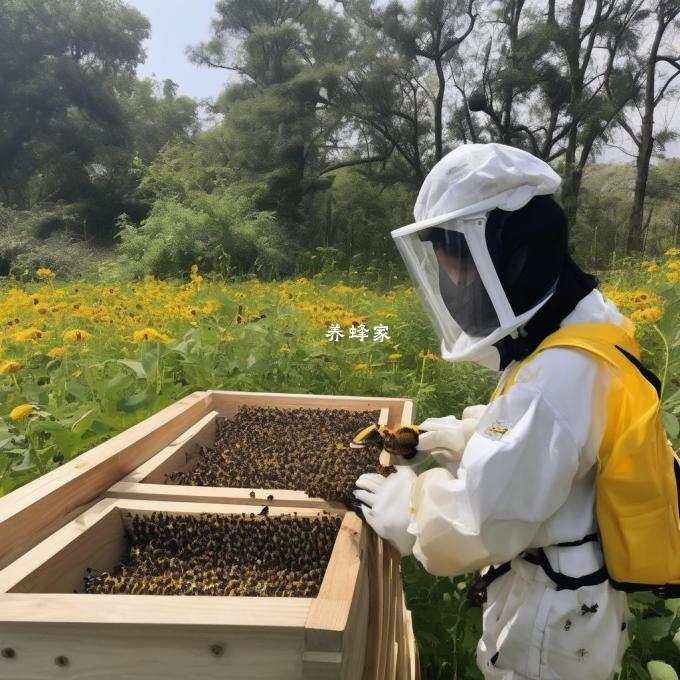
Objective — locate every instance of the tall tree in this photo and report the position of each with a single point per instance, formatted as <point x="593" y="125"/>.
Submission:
<point x="660" y="64"/>
<point x="395" y="90"/>
<point x="599" y="89"/>
<point x="551" y="82"/>
<point x="285" y="52"/>
<point x="433" y="31"/>
<point x="63" y="64"/>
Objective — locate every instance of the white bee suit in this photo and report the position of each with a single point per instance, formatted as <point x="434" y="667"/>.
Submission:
<point x="527" y="480"/>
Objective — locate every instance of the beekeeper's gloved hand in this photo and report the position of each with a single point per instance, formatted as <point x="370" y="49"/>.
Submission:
<point x="445" y="438"/>
<point x="386" y="505"/>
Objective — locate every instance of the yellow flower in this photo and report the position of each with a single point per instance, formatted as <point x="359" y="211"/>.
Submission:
<point x="195" y="276"/>
<point x="150" y="334"/>
<point x="76" y="335"/>
<point x="341" y="289"/>
<point x="56" y="352"/>
<point x="44" y="273"/>
<point x="9" y="367"/>
<point x="210" y="307"/>
<point x="673" y="252"/>
<point x="227" y="337"/>
<point x="639" y="297"/>
<point x="29" y="334"/>
<point x="646" y="315"/>
<point x="673" y="264"/>
<point x="360" y="367"/>
<point x="428" y="356"/>
<point x="20" y="412"/>
<point x="673" y="277"/>
<point x="394" y="357"/>
<point x="654" y="267"/>
<point x="324" y="341"/>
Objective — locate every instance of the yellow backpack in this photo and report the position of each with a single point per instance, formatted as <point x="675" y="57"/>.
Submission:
<point x="638" y="474"/>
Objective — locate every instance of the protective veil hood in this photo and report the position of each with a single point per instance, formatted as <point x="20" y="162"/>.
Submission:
<point x="469" y="276"/>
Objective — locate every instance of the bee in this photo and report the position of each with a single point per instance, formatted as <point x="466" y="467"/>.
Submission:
<point x="581" y="654"/>
<point x="401" y="441"/>
<point x="585" y="609"/>
<point x="252" y="555"/>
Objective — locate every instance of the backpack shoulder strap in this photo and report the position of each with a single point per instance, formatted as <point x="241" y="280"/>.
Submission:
<point x="615" y="344"/>
<point x="598" y="338"/>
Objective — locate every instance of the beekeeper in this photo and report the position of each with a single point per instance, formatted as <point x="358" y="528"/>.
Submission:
<point x="488" y="255"/>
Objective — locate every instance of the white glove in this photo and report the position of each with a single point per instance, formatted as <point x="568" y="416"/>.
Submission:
<point x="386" y="505"/>
<point x="474" y="412"/>
<point x="445" y="438"/>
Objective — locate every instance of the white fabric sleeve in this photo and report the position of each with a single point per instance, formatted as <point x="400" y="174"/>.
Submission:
<point x="517" y="470"/>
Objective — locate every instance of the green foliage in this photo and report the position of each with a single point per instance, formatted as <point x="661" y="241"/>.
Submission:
<point x="653" y="626"/>
<point x="63" y="63"/>
<point x="202" y="213"/>
<point x="286" y="55"/>
<point x="22" y="251"/>
<point x="600" y="233"/>
<point x="175" y="236"/>
<point x="75" y="120"/>
<point x="446" y="626"/>
<point x="350" y="225"/>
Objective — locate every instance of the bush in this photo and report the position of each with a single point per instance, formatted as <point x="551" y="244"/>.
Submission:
<point x="22" y="251"/>
<point x="209" y="230"/>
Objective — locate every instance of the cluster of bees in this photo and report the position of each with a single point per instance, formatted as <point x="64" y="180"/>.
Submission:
<point x="208" y="554"/>
<point x="304" y="449"/>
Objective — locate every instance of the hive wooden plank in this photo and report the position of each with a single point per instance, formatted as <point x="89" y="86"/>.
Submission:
<point x="178" y="454"/>
<point x="31" y="512"/>
<point x="403" y="668"/>
<point x="346" y="661"/>
<point x="211" y="494"/>
<point x="99" y="652"/>
<point x="355" y="639"/>
<point x="400" y="664"/>
<point x="330" y="611"/>
<point x="414" y="661"/>
<point x="374" y="638"/>
<point x="228" y="402"/>
<point x="385" y="632"/>
<point x="394" y="588"/>
<point x="277" y="637"/>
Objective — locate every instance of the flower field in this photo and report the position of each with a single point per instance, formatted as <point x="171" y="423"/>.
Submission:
<point x="80" y="362"/>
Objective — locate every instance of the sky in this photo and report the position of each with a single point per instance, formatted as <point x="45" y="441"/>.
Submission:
<point x="175" y="24"/>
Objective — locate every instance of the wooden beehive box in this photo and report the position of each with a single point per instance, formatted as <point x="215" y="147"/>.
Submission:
<point x="59" y="505"/>
<point x="47" y="631"/>
<point x="148" y="480"/>
<point x="32" y="512"/>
